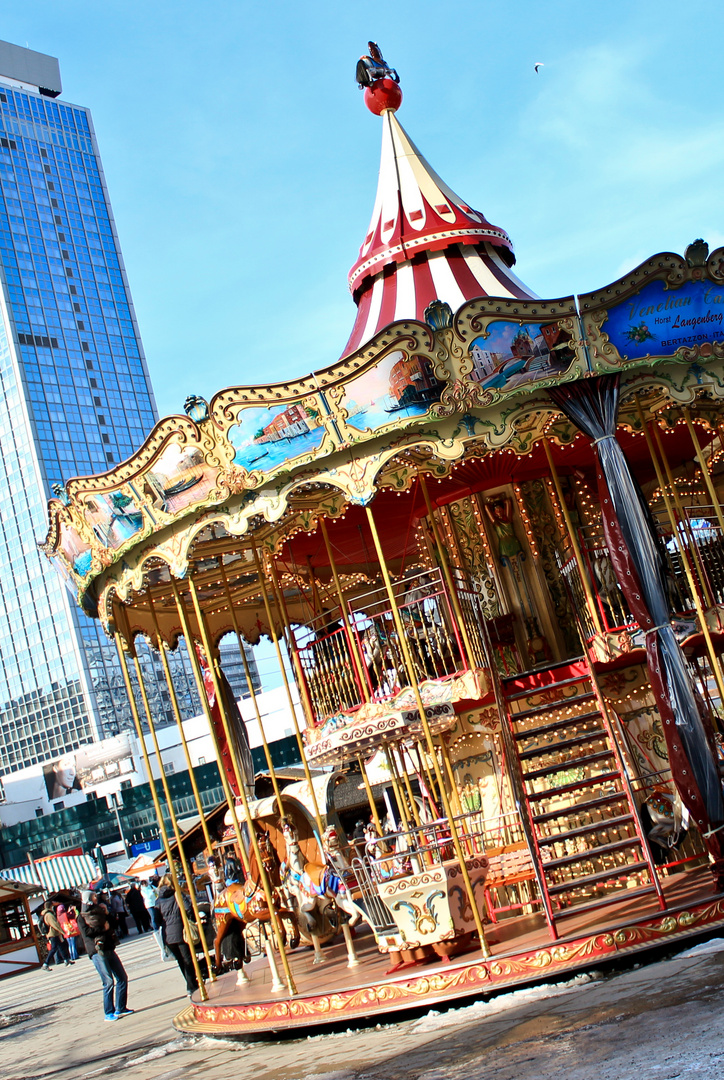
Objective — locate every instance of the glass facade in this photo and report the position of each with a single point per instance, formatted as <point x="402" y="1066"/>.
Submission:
<point x="75" y="398"/>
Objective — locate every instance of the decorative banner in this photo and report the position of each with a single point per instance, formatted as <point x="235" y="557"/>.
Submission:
<point x="659" y="320"/>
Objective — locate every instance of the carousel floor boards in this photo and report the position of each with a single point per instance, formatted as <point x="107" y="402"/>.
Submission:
<point x="522" y="953"/>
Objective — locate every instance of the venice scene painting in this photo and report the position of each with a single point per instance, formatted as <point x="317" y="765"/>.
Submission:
<point x="266" y="437"/>
<point x="399" y="386"/>
<point x="513" y="354"/>
<point x="178" y="478"/>
<point x="114" y="517"/>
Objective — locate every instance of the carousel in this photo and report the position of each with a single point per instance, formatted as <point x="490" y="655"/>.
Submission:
<point x="490" y="540"/>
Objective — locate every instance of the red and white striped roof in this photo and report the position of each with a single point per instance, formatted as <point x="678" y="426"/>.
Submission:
<point x="423" y="243"/>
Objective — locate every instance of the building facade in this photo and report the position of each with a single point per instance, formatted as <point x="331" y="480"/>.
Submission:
<point x="75" y="397"/>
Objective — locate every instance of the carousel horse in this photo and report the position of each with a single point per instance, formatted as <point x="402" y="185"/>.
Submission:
<point x="317" y="889"/>
<point x="246" y="901"/>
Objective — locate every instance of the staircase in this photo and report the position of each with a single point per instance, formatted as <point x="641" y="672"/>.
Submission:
<point x="583" y="820"/>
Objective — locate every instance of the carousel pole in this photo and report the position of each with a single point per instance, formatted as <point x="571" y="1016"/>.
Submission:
<point x="285" y="679"/>
<point x="307" y="706"/>
<point x="408" y="786"/>
<point x="159" y="814"/>
<point x="359" y="668"/>
<point x="399" y="797"/>
<point x="577" y="554"/>
<point x="370" y="796"/>
<point x="174" y="823"/>
<point x="252" y="694"/>
<point x="316" y="602"/>
<point x="428" y="734"/>
<point x="228" y="793"/>
<point x="445" y="754"/>
<point x="179" y="723"/>
<point x="713" y="658"/>
<point x="705" y="471"/>
<point x="265" y="883"/>
<point x="433" y="795"/>
<point x="447" y="572"/>
<point x="684" y="520"/>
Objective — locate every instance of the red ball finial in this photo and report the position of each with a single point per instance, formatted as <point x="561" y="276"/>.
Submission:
<point x="382" y="95"/>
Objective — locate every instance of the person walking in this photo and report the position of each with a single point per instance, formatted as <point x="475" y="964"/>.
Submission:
<point x="97" y="927"/>
<point x="137" y="907"/>
<point x="69" y="925"/>
<point x="56" y="941"/>
<point x="149" y="891"/>
<point x="173" y="931"/>
<point x="119" y="910"/>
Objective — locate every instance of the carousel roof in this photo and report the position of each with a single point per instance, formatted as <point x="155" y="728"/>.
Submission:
<point x="423" y="243"/>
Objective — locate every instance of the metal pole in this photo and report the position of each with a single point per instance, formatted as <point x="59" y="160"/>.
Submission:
<point x="252" y="694"/>
<point x="578" y="555"/>
<point x="265" y="883"/>
<point x="713" y="659"/>
<point x="280" y="658"/>
<point x="360" y="670"/>
<point x="428" y="734"/>
<point x="442" y="554"/>
<point x="174" y="825"/>
<point x="705" y="472"/>
<point x="179" y="722"/>
<point x="159" y="814"/>
<point x="370" y="796"/>
<point x="228" y="793"/>
<point x="307" y="706"/>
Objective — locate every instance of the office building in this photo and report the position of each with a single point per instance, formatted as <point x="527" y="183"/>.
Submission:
<point x="75" y="398"/>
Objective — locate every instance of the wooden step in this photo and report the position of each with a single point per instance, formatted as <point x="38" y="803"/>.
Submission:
<point x="591" y="853"/>
<point x="553" y="748"/>
<point x="589" y="781"/>
<point x="551" y="705"/>
<point x="593" y="879"/>
<point x="603" y="800"/>
<point x="571" y="763"/>
<point x="604" y="901"/>
<point x="555" y="725"/>
<point x="611" y="823"/>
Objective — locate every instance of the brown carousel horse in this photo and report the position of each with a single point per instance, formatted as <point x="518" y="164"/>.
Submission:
<point x="246" y="901"/>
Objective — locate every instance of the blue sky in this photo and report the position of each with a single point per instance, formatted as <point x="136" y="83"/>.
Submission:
<point x="242" y="163"/>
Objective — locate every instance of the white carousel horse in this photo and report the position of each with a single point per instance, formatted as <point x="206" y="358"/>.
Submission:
<point x="315" y="887"/>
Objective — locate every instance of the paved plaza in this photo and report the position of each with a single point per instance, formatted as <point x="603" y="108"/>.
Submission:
<point x="657" y="1021"/>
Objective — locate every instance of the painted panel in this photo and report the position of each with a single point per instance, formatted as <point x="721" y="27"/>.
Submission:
<point x="512" y="354"/>
<point x="266" y="437"/>
<point x="398" y="388"/>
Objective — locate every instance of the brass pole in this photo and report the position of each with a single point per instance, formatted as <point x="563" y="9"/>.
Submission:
<point x="315" y="592"/>
<point x="280" y="658"/>
<point x="705" y="471"/>
<point x="174" y="823"/>
<point x="445" y="754"/>
<point x="577" y="554"/>
<point x="442" y="554"/>
<point x="196" y="667"/>
<point x="265" y="884"/>
<point x="159" y="813"/>
<point x="399" y="798"/>
<point x="713" y="659"/>
<point x="707" y="597"/>
<point x="428" y="734"/>
<point x="408" y="786"/>
<point x="370" y="796"/>
<point x="252" y="694"/>
<point x="179" y="723"/>
<point x="307" y="706"/>
<point x="360" y="670"/>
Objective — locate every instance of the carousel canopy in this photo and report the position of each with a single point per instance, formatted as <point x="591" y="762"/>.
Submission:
<point x="423" y="243"/>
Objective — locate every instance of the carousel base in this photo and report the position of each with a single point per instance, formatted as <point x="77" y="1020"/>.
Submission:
<point x="522" y="952"/>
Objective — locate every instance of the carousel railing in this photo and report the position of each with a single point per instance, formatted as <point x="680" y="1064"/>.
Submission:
<point x="346" y="662"/>
<point x="700" y="544"/>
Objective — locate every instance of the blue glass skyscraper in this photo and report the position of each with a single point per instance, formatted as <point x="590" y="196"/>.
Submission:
<point x="75" y="398"/>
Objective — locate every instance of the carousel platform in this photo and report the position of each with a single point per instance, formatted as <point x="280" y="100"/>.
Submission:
<point x="522" y="953"/>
